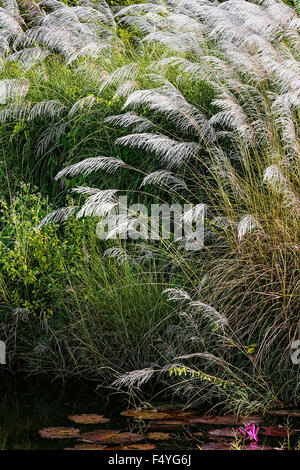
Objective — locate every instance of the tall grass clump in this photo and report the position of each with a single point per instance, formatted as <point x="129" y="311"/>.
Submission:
<point x="200" y="101"/>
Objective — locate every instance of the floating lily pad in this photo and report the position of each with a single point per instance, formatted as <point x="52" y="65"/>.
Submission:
<point x="111" y="437"/>
<point x="59" y="433"/>
<point x="154" y="414"/>
<point x="167" y="425"/>
<point x="228" y="420"/>
<point x="158" y="436"/>
<point x="216" y="446"/>
<point x="88" y="419"/>
<point x="224" y="432"/>
<point x="294" y="413"/>
<point x="138" y="447"/>
<point x="277" y="431"/>
<point x="87" y="447"/>
<point x="99" y="435"/>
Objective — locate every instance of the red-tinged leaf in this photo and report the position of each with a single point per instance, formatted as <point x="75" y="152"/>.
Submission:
<point x="87" y="447"/>
<point x="154" y="414"/>
<point x="216" y="446"/>
<point x="277" y="431"/>
<point x="293" y="413"/>
<point x="158" y="436"/>
<point x="59" y="433"/>
<point x="88" y="419"/>
<point x="99" y="435"/>
<point x="112" y="438"/>
<point x="138" y="447"/>
<point x="167" y="425"/>
<point x="224" y="432"/>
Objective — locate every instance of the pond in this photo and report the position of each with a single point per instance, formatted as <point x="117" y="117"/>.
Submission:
<point x="29" y="407"/>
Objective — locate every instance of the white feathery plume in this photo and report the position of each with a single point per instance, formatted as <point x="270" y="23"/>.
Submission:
<point x="50" y="136"/>
<point x="141" y="124"/>
<point x="46" y="108"/>
<point x="246" y="225"/>
<point x="193" y="69"/>
<point x="10" y="6"/>
<point x="108" y="164"/>
<point x="194" y="213"/>
<point x="10" y="22"/>
<point x="274" y="178"/>
<point x="222" y="222"/>
<point x="232" y="115"/>
<point x="280" y="12"/>
<point x="87" y="102"/>
<point x="173" y="105"/>
<point x="58" y="216"/>
<point x="135" y="378"/>
<point x="142" y="8"/>
<point x="93" y="72"/>
<point x="125" y="89"/>
<point x="254" y="17"/>
<point x="210" y="312"/>
<point x="99" y="203"/>
<point x="26" y="58"/>
<point x="121" y="75"/>
<point x="15" y="111"/>
<point x="120" y="254"/>
<point x="91" y="50"/>
<point x="13" y="89"/>
<point x="177" y="294"/>
<point x="185" y="23"/>
<point x="164" y="177"/>
<point x="85" y="190"/>
<point x="172" y="40"/>
<point x="168" y="150"/>
<point x="285" y="121"/>
<point x="143" y="24"/>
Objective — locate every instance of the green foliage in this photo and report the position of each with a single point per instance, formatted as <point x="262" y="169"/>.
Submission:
<point x="34" y="263"/>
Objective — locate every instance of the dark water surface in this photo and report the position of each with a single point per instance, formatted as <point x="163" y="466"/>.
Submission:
<point x="28" y="405"/>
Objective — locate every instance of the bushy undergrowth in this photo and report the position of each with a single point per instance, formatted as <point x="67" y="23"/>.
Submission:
<point x="201" y="97"/>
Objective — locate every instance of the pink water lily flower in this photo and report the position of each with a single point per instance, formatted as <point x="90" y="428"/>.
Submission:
<point x="250" y="432"/>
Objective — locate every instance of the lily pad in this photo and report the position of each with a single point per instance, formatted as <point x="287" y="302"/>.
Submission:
<point x="227" y="420"/>
<point x="88" y="419"/>
<point x="154" y="414"/>
<point x="138" y="447"/>
<point x="87" y="447"/>
<point x="99" y="435"/>
<point x="277" y="431"/>
<point x="225" y="432"/>
<point x="216" y="446"/>
<point x="167" y="425"/>
<point x="112" y="437"/>
<point x="158" y="436"/>
<point x="59" y="433"/>
<point x="294" y="413"/>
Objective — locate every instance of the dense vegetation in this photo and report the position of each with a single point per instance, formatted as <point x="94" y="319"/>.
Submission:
<point x="186" y="101"/>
